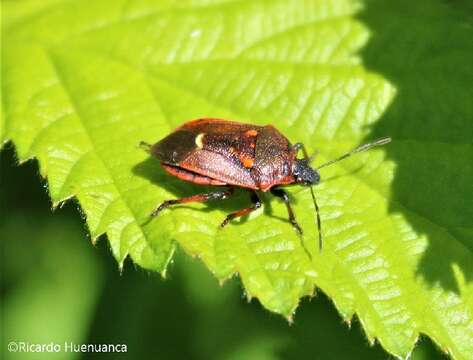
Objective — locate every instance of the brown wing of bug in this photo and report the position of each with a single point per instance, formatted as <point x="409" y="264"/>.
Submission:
<point x="223" y="152"/>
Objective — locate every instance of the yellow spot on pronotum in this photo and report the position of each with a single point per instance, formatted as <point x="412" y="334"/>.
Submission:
<point x="199" y="140"/>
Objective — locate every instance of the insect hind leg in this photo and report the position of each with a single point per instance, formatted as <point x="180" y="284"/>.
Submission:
<point x="217" y="195"/>
<point x="256" y="205"/>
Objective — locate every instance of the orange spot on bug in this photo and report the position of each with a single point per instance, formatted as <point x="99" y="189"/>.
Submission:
<point x="251" y="133"/>
<point x="247" y="162"/>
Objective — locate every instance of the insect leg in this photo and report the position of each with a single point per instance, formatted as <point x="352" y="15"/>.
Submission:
<point x="256" y="205"/>
<point x="217" y="195"/>
<point x="280" y="193"/>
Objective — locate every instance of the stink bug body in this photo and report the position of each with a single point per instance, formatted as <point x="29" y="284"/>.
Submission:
<point x="228" y="153"/>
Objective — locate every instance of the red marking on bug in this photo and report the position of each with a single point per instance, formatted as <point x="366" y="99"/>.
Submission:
<point x="251" y="132"/>
<point x="191" y="177"/>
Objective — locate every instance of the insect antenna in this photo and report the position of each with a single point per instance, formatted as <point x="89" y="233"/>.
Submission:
<point x="319" y="223"/>
<point x="359" y="149"/>
<point x="316" y="206"/>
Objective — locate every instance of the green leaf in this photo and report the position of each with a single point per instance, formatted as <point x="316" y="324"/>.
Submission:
<point x="84" y="82"/>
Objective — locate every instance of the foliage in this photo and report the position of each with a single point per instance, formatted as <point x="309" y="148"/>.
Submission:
<point x="84" y="82"/>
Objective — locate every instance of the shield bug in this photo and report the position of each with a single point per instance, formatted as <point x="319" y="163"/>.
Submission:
<point x="228" y="153"/>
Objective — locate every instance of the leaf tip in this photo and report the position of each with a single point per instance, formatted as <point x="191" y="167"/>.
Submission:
<point x="249" y="297"/>
<point x="120" y="266"/>
<point x="372" y="341"/>
<point x="347" y="321"/>
<point x="58" y="204"/>
<point x="24" y="161"/>
<point x="313" y="293"/>
<point x="163" y="274"/>
<point x="94" y="240"/>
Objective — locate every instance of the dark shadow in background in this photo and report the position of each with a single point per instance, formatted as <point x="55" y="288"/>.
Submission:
<point x="425" y="49"/>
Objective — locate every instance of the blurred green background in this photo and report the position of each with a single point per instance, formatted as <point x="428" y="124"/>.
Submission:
<point x="47" y="295"/>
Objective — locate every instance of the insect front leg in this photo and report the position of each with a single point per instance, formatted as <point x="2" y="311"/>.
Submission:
<point x="256" y="205"/>
<point x="280" y="193"/>
<point x="217" y="195"/>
